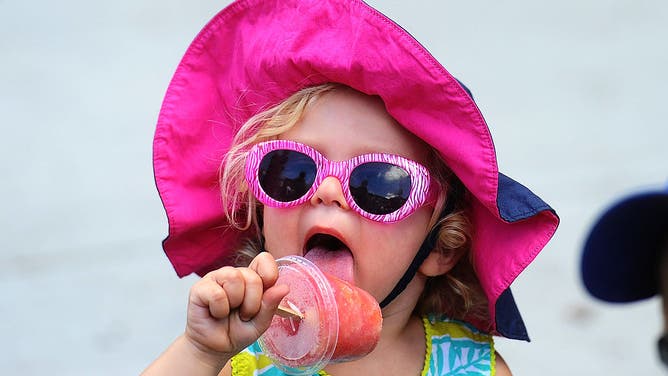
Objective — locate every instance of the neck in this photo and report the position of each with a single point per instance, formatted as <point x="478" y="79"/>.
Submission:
<point x="401" y="349"/>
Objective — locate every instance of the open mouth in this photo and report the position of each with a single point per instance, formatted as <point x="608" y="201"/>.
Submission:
<point x="324" y="242"/>
<point x="331" y="255"/>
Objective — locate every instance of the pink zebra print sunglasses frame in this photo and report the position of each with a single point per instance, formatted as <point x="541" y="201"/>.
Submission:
<point x="284" y="173"/>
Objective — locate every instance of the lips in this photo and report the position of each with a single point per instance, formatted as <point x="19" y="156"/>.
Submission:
<point x="331" y="255"/>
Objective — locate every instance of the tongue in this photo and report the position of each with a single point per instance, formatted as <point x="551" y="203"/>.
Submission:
<point x="338" y="263"/>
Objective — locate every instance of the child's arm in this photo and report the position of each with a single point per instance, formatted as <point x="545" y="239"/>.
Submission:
<point x="228" y="309"/>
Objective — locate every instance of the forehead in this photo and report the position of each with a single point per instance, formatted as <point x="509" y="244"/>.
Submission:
<point x="344" y="123"/>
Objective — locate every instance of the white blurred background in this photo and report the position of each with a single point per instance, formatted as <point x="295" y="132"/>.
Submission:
<point x="573" y="92"/>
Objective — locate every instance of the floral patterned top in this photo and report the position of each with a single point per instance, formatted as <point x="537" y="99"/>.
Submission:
<point x="452" y="348"/>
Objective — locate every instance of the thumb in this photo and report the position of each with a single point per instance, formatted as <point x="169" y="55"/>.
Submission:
<point x="270" y="300"/>
<point x="266" y="267"/>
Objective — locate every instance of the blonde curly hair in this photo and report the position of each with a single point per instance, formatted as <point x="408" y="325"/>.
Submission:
<point x="456" y="294"/>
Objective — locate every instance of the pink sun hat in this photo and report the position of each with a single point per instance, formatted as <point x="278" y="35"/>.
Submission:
<point x="255" y="53"/>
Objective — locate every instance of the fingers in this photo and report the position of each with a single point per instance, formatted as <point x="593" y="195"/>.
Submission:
<point x="252" y="299"/>
<point x="228" y="289"/>
<point x="209" y="293"/>
<point x="231" y="307"/>
<point x="265" y="266"/>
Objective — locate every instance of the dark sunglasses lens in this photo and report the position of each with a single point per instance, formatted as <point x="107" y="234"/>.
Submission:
<point x="663" y="349"/>
<point x="286" y="175"/>
<point x="380" y="188"/>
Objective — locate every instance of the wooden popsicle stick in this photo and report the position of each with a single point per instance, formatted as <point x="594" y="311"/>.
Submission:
<point x="287" y="312"/>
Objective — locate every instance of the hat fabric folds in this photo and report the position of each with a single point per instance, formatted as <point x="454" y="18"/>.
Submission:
<point x="255" y="53"/>
<point x="621" y="254"/>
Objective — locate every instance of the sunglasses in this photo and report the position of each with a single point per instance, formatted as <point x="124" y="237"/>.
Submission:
<point x="381" y="187"/>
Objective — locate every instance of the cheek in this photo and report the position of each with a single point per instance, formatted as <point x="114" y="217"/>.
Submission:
<point x="412" y="231"/>
<point x="388" y="250"/>
<point x="401" y="239"/>
<point x="395" y="245"/>
<point x="280" y="231"/>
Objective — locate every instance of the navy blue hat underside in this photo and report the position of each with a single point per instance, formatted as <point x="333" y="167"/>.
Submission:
<point x="515" y="203"/>
<point x="621" y="254"/>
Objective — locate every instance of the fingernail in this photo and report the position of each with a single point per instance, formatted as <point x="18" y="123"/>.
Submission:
<point x="244" y="318"/>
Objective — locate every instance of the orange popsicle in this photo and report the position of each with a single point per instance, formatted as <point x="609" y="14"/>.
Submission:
<point x="341" y="322"/>
<point x="360" y="321"/>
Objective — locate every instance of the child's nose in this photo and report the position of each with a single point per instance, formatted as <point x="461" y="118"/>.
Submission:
<point x="330" y="192"/>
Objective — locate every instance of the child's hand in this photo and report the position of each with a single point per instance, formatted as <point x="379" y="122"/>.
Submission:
<point x="230" y="308"/>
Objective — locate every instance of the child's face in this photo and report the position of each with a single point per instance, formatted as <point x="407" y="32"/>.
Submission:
<point x="341" y="125"/>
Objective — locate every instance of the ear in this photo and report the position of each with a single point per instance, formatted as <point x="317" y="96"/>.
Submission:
<point x="439" y="263"/>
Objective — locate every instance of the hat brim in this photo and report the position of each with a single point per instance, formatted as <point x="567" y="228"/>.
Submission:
<point x="254" y="54"/>
<point x="621" y="253"/>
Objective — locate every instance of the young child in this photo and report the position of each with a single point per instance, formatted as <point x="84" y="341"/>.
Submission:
<point x="430" y="228"/>
<point x="625" y="256"/>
